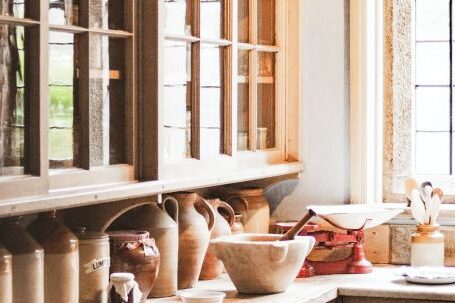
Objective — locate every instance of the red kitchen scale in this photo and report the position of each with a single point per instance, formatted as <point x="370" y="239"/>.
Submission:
<point x="353" y="219"/>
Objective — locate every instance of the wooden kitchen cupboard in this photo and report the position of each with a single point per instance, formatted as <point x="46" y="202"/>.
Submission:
<point x="111" y="100"/>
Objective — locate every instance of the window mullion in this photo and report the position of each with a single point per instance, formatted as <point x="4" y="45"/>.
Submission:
<point x="253" y="76"/>
<point x="451" y="88"/>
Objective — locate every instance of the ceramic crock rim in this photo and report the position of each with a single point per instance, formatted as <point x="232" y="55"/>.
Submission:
<point x="231" y="239"/>
<point x="211" y="294"/>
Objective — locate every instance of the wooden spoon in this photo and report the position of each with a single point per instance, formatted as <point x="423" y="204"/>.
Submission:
<point x="410" y="184"/>
<point x="290" y="234"/>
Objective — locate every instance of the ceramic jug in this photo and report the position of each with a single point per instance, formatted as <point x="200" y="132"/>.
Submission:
<point x="61" y="258"/>
<point x="6" y="276"/>
<point x="28" y="262"/>
<point x="160" y="220"/>
<point x="212" y="267"/>
<point x="194" y="236"/>
<point x="251" y="203"/>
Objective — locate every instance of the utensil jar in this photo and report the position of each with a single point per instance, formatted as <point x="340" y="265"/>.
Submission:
<point x="427" y="246"/>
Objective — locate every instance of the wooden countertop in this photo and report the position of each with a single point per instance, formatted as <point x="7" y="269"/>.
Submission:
<point x="383" y="282"/>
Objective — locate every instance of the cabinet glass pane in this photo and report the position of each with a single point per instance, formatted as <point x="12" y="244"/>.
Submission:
<point x="211" y="99"/>
<point x="243" y="22"/>
<point x="107" y="14"/>
<point x="266" y="100"/>
<point x="433" y="109"/>
<point x="243" y="106"/>
<point x="63" y="96"/>
<point x="178" y="17"/>
<point x="12" y="60"/>
<point x="432" y="20"/>
<point x="266" y="22"/>
<point x="432" y="63"/>
<point x="177" y="100"/>
<point x="64" y="12"/>
<point x="432" y="152"/>
<point x="211" y="19"/>
<point x="13" y="8"/>
<point x="107" y="101"/>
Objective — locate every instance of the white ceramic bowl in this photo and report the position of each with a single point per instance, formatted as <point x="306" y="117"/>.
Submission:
<point x="202" y="296"/>
<point x="259" y="263"/>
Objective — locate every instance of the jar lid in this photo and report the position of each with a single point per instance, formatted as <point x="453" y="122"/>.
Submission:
<point x="83" y="234"/>
<point x="122" y="277"/>
<point x="129" y="235"/>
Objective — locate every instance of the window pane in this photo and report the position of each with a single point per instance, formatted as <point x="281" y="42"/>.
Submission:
<point x="13" y="8"/>
<point x="107" y="14"/>
<point x="266" y="100"/>
<point x="12" y="60"/>
<point x="178" y="17"/>
<point x="432" y="63"/>
<point x="432" y="20"/>
<point x="177" y="100"/>
<point x="432" y="152"/>
<point x="433" y="109"/>
<point x="211" y="100"/>
<point x="64" y="12"/>
<point x="266" y="22"/>
<point x="107" y="101"/>
<point x="211" y="19"/>
<point x="63" y="93"/>
<point x="243" y="106"/>
<point x="243" y="22"/>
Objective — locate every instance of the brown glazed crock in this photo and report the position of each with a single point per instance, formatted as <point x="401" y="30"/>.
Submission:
<point x="28" y="261"/>
<point x="61" y="258"/>
<point x="135" y="252"/>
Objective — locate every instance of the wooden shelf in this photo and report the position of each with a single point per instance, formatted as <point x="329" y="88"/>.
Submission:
<point x="83" y="196"/>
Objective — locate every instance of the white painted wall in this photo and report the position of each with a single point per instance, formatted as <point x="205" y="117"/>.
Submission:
<point x="325" y="110"/>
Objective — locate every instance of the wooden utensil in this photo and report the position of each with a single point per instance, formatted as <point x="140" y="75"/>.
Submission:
<point x="410" y="184"/>
<point x="417" y="206"/>
<point x="290" y="234"/>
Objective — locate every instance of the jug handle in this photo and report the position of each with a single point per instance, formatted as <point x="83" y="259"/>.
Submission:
<point x="238" y="203"/>
<point x="229" y="210"/>
<point x="210" y="212"/>
<point x="175" y="206"/>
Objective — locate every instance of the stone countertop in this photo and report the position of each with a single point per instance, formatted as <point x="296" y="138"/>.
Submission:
<point x="383" y="282"/>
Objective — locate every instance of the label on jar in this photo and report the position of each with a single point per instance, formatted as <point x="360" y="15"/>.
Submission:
<point x="97" y="264"/>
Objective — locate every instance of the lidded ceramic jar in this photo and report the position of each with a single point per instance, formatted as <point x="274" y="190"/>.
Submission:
<point x="6" y="276"/>
<point x="212" y="267"/>
<point x="427" y="246"/>
<point x="135" y="252"/>
<point x="28" y="261"/>
<point x="123" y="289"/>
<point x="94" y="263"/>
<point x="252" y="204"/>
<point x="61" y="258"/>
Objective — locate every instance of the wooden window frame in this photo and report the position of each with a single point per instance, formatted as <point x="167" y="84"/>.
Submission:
<point x="38" y="178"/>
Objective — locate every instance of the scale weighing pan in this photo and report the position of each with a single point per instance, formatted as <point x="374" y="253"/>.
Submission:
<point x="356" y="216"/>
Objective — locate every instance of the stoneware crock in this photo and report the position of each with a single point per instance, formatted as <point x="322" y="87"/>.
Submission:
<point x="259" y="263"/>
<point x="28" y="261"/>
<point x="61" y="258"/>
<point x="160" y="220"/>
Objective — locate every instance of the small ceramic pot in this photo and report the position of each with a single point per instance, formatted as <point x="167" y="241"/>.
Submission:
<point x="123" y="289"/>
<point x="237" y="227"/>
<point x="135" y="252"/>
<point x="94" y="263"/>
<point x="61" y="258"/>
<point x="427" y="246"/>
